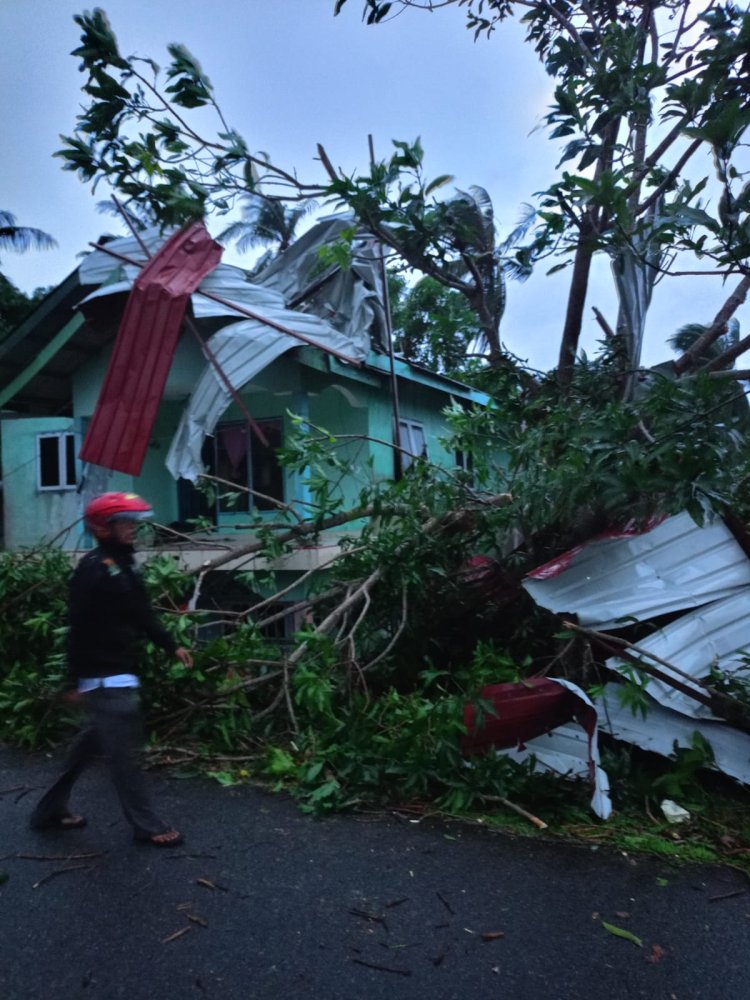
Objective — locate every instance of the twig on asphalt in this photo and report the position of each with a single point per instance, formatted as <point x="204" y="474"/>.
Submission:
<point x="208" y="884"/>
<point x="58" y="857"/>
<point x="177" y="934"/>
<point x="727" y="895"/>
<point x="375" y="918"/>
<point x="16" y="788"/>
<point x="446" y="904"/>
<point x="382" y="968"/>
<point x="61" y="871"/>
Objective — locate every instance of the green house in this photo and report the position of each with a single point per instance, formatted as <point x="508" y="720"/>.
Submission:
<point x="252" y="358"/>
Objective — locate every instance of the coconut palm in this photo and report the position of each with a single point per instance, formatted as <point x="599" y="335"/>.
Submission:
<point x="22" y="238"/>
<point x="684" y="338"/>
<point x="269" y="222"/>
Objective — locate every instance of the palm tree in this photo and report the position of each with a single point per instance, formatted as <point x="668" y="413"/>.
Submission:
<point x="684" y="338"/>
<point x="22" y="238"/>
<point x="470" y="220"/>
<point x="269" y="222"/>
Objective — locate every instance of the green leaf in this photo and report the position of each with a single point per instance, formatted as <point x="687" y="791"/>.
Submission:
<point x="621" y="933"/>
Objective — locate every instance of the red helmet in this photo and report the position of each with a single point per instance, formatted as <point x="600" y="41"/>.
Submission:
<point x="112" y="506"/>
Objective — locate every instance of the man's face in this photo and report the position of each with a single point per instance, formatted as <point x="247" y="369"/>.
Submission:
<point x="123" y="531"/>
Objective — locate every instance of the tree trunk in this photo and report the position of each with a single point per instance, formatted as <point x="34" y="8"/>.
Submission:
<point x="574" y="314"/>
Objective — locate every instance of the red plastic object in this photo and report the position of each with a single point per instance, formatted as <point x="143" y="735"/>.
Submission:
<point x="125" y="413"/>
<point x="522" y="711"/>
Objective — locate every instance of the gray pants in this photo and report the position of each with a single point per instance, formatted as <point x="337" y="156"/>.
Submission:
<point x="116" y="731"/>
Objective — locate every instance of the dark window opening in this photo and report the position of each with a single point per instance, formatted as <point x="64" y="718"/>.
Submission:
<point x="240" y="457"/>
<point x="56" y="464"/>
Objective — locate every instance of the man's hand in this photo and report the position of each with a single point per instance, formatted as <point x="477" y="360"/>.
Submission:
<point x="184" y="656"/>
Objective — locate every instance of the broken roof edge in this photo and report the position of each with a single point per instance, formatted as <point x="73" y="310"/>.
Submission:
<point x="425" y="376"/>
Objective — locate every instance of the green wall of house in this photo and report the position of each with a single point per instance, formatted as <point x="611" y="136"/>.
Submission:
<point x="32" y="515"/>
<point x="353" y="404"/>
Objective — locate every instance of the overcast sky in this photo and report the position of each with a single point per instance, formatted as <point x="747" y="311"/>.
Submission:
<point x="289" y="75"/>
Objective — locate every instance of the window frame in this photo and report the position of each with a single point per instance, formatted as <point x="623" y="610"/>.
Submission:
<point x="64" y="462"/>
<point x="407" y="455"/>
<point x="250" y="460"/>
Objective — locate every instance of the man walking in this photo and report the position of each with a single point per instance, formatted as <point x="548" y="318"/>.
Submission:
<point x="109" y="612"/>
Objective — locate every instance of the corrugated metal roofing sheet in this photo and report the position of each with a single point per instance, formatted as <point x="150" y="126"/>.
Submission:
<point x="675" y="566"/>
<point x="662" y="729"/>
<point x="717" y="634"/>
<point x="126" y="410"/>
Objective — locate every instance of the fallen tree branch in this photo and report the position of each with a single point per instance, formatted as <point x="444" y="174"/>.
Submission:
<point x="720" y="704"/>
<point x="538" y="823"/>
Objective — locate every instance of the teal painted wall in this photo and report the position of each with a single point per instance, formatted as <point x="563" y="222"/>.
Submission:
<point x="353" y="404"/>
<point x="31" y="515"/>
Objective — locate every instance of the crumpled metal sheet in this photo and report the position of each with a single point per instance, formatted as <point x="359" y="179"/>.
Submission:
<point x="339" y="316"/>
<point x="716" y="633"/>
<point x="572" y="752"/>
<point x="350" y="299"/>
<point x="663" y="729"/>
<point x="674" y="566"/>
<point x="677" y="566"/>
<point x="242" y="349"/>
<point x="98" y="266"/>
<point x="125" y="413"/>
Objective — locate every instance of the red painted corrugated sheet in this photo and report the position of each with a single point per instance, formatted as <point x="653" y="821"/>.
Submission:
<point x="124" y="417"/>
<point x="522" y="712"/>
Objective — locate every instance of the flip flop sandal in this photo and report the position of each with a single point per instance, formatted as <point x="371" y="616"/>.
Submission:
<point x="171" y="839"/>
<point x="66" y="822"/>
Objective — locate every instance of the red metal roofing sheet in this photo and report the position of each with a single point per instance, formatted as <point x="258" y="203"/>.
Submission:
<point x="125" y="413"/>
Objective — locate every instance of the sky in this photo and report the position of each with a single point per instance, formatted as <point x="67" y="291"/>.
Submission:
<point x="289" y="75"/>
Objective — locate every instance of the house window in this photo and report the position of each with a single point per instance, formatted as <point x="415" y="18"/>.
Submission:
<point x="239" y="455"/>
<point x="465" y="461"/>
<point x="413" y="442"/>
<point x="56" y="461"/>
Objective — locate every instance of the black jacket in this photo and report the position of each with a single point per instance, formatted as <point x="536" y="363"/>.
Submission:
<point x="109" y="611"/>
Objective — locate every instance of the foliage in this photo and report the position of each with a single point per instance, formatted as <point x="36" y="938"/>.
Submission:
<point x="640" y="92"/>
<point x="21" y="238"/>
<point x="137" y="135"/>
<point x="15" y="306"/>
<point x="364" y="702"/>
<point x="33" y="592"/>
<point x="432" y="324"/>
<point x="269" y="222"/>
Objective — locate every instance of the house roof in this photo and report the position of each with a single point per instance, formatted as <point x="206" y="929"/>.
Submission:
<point x="83" y="313"/>
<point x="38" y="359"/>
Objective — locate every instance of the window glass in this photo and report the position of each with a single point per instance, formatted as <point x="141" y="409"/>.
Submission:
<point x="267" y="474"/>
<point x="241" y="458"/>
<point x="56" y="467"/>
<point x="413" y="441"/>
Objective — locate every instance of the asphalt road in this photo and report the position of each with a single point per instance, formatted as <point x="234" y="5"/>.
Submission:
<point x="265" y="902"/>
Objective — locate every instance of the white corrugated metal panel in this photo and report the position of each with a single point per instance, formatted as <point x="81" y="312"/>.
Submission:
<point x="662" y="728"/>
<point x="98" y="266"/>
<point x="565" y="751"/>
<point x="676" y="565"/>
<point x="571" y="751"/>
<point x="716" y="633"/>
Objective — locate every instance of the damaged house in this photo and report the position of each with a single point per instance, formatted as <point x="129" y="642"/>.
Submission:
<point x="154" y="362"/>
